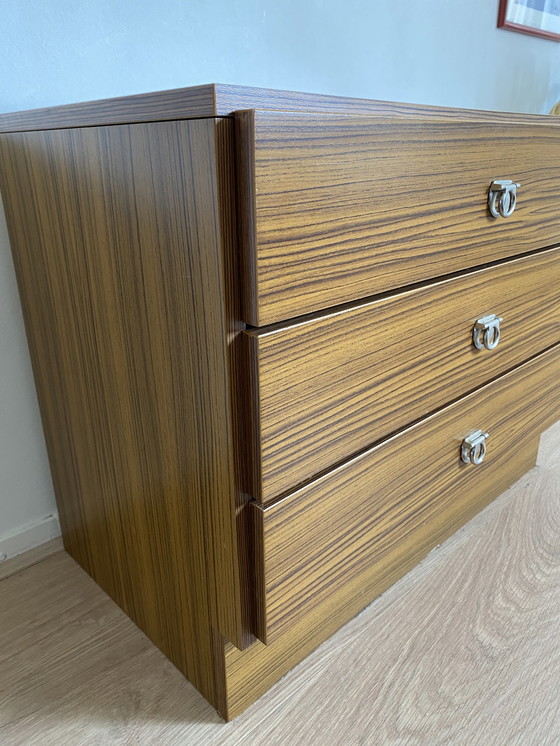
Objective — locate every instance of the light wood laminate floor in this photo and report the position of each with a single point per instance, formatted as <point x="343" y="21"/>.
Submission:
<point x="464" y="650"/>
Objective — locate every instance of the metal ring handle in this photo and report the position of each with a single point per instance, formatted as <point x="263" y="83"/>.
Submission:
<point x="473" y="448"/>
<point x="507" y="202"/>
<point x="478" y="338"/>
<point x="486" y="332"/>
<point x="502" y="197"/>
<point x="492" y="197"/>
<point x="492" y="337"/>
<point x="478" y="452"/>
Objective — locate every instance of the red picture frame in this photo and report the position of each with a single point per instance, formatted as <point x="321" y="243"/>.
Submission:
<point x="504" y="22"/>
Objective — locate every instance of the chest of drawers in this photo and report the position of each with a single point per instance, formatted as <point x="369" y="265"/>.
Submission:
<point x="283" y="344"/>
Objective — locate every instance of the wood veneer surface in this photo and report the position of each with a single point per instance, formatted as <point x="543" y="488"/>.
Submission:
<point x="117" y="237"/>
<point x="85" y="195"/>
<point x="331" y="386"/>
<point x="250" y="673"/>
<point x="336" y="208"/>
<point x="464" y="649"/>
<point x="216" y="99"/>
<point x="331" y="544"/>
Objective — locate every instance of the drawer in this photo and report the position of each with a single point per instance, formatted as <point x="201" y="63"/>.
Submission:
<point x="336" y="208"/>
<point x="328" y="387"/>
<point x="328" y="549"/>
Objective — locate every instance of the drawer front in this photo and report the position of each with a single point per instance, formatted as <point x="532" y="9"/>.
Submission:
<point x="328" y="549"/>
<point x="329" y="387"/>
<point x="336" y="208"/>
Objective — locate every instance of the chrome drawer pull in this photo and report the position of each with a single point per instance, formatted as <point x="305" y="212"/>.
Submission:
<point x="486" y="332"/>
<point x="473" y="448"/>
<point x="502" y="197"/>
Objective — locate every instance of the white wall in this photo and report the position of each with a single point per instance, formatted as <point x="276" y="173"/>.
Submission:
<point x="27" y="504"/>
<point x="446" y="52"/>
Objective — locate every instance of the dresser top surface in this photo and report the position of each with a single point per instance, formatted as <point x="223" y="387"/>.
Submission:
<point x="218" y="100"/>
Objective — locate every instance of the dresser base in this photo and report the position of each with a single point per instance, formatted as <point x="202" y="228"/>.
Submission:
<point x="244" y="676"/>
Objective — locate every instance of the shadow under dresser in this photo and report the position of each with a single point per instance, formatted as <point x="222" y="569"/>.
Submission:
<point x="284" y="344"/>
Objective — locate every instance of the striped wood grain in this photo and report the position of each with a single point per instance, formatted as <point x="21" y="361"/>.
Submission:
<point x="330" y="548"/>
<point x="336" y="208"/>
<point x="250" y="673"/>
<point x="463" y="650"/>
<point x="123" y="242"/>
<point x="118" y="235"/>
<point x="217" y="99"/>
<point x="331" y="386"/>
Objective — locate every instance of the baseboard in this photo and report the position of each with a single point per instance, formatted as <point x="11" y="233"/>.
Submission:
<point x="28" y="537"/>
<point x="31" y="557"/>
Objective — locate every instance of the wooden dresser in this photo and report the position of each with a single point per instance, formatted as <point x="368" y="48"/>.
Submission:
<point x="284" y="344"/>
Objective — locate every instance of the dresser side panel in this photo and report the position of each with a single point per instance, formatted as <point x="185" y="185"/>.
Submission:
<point x="116" y="235"/>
